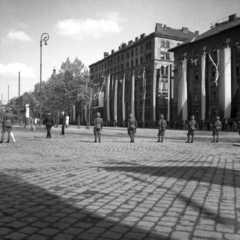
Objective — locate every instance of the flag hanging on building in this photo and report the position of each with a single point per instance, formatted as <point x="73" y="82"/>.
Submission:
<point x="225" y="94"/>
<point x="203" y="86"/>
<point x="115" y="100"/>
<point x="123" y="99"/>
<point x="143" y="95"/>
<point x="107" y="99"/>
<point x="182" y="91"/>
<point x="95" y="95"/>
<point x="133" y="95"/>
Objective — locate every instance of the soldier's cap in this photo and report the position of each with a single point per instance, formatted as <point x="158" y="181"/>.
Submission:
<point x="130" y="115"/>
<point x="98" y="114"/>
<point x="161" y="115"/>
<point x="217" y="117"/>
<point x="192" y="116"/>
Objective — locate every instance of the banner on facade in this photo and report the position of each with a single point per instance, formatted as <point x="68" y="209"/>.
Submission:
<point x="133" y="95"/>
<point x="225" y="93"/>
<point x="143" y="95"/>
<point x="116" y="100"/>
<point x="203" y="87"/>
<point x="123" y="99"/>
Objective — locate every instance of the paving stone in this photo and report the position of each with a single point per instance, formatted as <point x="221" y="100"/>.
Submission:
<point x="28" y="230"/>
<point x="15" y="236"/>
<point x="63" y="237"/>
<point x="48" y="231"/>
<point x="207" y="234"/>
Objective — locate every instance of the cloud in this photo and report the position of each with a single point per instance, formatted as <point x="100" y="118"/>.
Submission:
<point x="14" y="68"/>
<point x="20" y="36"/>
<point x="80" y="28"/>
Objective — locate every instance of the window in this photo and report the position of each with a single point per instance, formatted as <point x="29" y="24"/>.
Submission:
<point x="196" y="75"/>
<point x="213" y="97"/>
<point x="127" y="55"/>
<point x="136" y="62"/>
<point x="167" y="56"/>
<point x="167" y="44"/>
<point x="141" y="49"/>
<point x="132" y="53"/>
<point x="122" y="57"/>
<point x="162" y="56"/>
<point x="146" y="45"/>
<point x="162" y="70"/>
<point x="132" y="63"/>
<point x="136" y="51"/>
<point x="163" y="43"/>
<point x="196" y="97"/>
<point x="166" y="70"/>
<point x="141" y="60"/>
<point x="127" y="64"/>
<point x="149" y="45"/>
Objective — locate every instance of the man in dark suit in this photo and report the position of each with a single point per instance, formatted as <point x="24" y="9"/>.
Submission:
<point x="217" y="126"/>
<point x="132" y="126"/>
<point x="162" y="124"/>
<point x="63" y="121"/>
<point x="98" y="125"/>
<point x="7" y="124"/>
<point x="48" y="121"/>
<point x="191" y="128"/>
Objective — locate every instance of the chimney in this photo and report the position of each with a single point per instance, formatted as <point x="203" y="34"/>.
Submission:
<point x="130" y="42"/>
<point x="136" y="39"/>
<point x="165" y="26"/>
<point x="123" y="45"/>
<point x="112" y="51"/>
<point x="105" y="54"/>
<point x="158" y="27"/>
<point x="232" y="17"/>
<point x="142" y="36"/>
<point x="185" y="30"/>
<point x="197" y="32"/>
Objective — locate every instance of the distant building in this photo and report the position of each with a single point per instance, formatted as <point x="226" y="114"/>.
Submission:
<point x="134" y="79"/>
<point x="207" y="73"/>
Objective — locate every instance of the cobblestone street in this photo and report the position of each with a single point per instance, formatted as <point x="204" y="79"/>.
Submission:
<point x="68" y="187"/>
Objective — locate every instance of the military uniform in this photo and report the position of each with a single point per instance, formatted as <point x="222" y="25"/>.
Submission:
<point x="217" y="126"/>
<point x="191" y="129"/>
<point x="63" y="121"/>
<point x="98" y="125"/>
<point x="132" y="126"/>
<point x="7" y="125"/>
<point x="48" y="121"/>
<point x="162" y="124"/>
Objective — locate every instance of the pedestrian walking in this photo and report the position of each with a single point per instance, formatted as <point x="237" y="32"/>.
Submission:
<point x="7" y="123"/>
<point x="132" y="126"/>
<point x="162" y="124"/>
<point x="63" y="121"/>
<point x="98" y="125"/>
<point x="217" y="126"/>
<point x="48" y="121"/>
<point x="191" y="128"/>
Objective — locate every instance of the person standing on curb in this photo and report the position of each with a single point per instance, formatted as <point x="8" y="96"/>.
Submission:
<point x="48" y="121"/>
<point x="132" y="126"/>
<point x="162" y="124"/>
<point x="217" y="126"/>
<point x="63" y="118"/>
<point x="98" y="125"/>
<point x="7" y="124"/>
<point x="191" y="128"/>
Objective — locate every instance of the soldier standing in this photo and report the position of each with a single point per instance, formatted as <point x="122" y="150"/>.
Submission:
<point x="217" y="126"/>
<point x="132" y="125"/>
<point x="162" y="124"/>
<point x="7" y="124"/>
<point x="48" y="121"/>
<point x="63" y="120"/>
<point x="98" y="125"/>
<point x="191" y="128"/>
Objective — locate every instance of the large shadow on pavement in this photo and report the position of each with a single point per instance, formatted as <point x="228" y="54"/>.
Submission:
<point x="30" y="212"/>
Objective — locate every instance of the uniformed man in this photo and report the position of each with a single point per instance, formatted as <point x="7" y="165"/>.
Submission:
<point x="217" y="126"/>
<point x="132" y="126"/>
<point x="48" y="121"/>
<point x="162" y="124"/>
<point x="7" y="124"/>
<point x="191" y="128"/>
<point x="98" y="125"/>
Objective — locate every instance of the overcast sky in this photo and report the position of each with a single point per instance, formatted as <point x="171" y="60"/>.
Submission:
<point x="85" y="29"/>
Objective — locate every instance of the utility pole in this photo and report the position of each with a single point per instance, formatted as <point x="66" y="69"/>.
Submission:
<point x="19" y="96"/>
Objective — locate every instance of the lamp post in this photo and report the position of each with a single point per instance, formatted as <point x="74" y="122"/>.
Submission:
<point x="44" y="38"/>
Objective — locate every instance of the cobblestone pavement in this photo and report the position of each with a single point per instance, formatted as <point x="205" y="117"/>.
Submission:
<point x="68" y="187"/>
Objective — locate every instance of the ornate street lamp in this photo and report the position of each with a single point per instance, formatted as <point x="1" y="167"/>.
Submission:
<point x="44" y="38"/>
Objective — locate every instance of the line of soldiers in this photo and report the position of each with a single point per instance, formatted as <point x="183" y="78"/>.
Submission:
<point x="162" y="125"/>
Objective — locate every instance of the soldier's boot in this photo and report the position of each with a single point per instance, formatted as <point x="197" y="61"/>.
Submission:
<point x="188" y="140"/>
<point x="162" y="139"/>
<point x="213" y="139"/>
<point x="8" y="141"/>
<point x="1" y="141"/>
<point x="158" y="139"/>
<point x="95" y="138"/>
<point x="217" y="140"/>
<point x="192" y="140"/>
<point x="99" y="138"/>
<point x="133" y="139"/>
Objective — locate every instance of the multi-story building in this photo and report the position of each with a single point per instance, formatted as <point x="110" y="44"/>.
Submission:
<point x="141" y="66"/>
<point x="207" y="73"/>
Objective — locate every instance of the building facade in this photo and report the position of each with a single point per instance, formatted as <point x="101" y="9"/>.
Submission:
<point x="207" y="73"/>
<point x="136" y="78"/>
